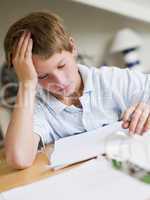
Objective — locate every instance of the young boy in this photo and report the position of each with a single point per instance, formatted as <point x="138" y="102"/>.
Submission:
<point x="58" y="97"/>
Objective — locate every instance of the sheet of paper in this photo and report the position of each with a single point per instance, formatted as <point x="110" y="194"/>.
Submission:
<point x="94" y="179"/>
<point x="1" y="197"/>
<point x="81" y="147"/>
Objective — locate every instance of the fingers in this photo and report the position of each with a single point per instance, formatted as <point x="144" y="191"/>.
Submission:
<point x="126" y="124"/>
<point x="29" y="48"/>
<point x="19" y="45"/>
<point x="25" y="45"/>
<point x="142" y="120"/>
<point x="22" y="46"/>
<point x="23" y="62"/>
<point x="135" y="118"/>
<point x="147" y="125"/>
<point x="128" y="113"/>
<point x="127" y="116"/>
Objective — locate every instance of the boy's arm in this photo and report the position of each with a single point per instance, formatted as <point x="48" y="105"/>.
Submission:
<point x="130" y="89"/>
<point x="20" y="142"/>
<point x="137" y="115"/>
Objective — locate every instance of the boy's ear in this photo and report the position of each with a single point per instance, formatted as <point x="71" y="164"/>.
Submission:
<point x="73" y="45"/>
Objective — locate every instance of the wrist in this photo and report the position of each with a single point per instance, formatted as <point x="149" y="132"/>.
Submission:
<point x="26" y="95"/>
<point x="29" y="85"/>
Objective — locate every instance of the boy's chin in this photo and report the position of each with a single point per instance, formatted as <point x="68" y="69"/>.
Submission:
<point x="65" y="94"/>
<point x="68" y="94"/>
<point x="62" y="95"/>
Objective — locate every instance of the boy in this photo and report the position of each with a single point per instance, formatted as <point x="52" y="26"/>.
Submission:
<point x="56" y="96"/>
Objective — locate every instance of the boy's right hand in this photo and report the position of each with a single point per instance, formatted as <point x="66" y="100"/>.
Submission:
<point x="22" y="60"/>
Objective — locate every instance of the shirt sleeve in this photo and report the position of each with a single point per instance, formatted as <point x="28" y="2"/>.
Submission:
<point x="135" y="86"/>
<point x="41" y="124"/>
<point x="127" y="86"/>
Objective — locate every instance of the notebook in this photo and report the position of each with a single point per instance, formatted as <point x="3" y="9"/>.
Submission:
<point x="94" y="179"/>
<point x="81" y="147"/>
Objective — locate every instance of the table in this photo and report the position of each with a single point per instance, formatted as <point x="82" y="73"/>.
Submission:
<point x="11" y="178"/>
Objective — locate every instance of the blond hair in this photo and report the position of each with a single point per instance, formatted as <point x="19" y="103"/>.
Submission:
<point x="47" y="32"/>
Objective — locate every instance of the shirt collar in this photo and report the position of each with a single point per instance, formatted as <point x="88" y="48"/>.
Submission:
<point x="50" y="101"/>
<point x="56" y="105"/>
<point x="86" y="75"/>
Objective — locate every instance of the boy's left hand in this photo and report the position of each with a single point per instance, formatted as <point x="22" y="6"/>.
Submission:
<point x="137" y="118"/>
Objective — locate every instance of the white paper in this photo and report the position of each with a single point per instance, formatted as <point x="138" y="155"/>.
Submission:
<point x="1" y="197"/>
<point x="82" y="147"/>
<point x="94" y="179"/>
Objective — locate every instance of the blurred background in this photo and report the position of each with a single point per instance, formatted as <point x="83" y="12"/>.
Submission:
<point x="107" y="32"/>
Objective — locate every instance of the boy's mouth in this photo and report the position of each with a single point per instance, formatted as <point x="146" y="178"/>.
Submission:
<point x="65" y="89"/>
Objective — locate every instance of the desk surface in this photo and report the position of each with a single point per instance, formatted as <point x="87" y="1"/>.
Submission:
<point x="11" y="178"/>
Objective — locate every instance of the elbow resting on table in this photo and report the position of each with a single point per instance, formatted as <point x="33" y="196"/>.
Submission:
<point x="18" y="162"/>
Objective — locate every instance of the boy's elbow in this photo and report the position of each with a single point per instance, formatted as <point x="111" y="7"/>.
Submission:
<point x="18" y="163"/>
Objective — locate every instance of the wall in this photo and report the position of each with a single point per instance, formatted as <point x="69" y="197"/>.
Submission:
<point x="92" y="28"/>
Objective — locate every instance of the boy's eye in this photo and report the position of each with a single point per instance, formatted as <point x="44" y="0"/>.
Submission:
<point x="61" y="66"/>
<point x="43" y="77"/>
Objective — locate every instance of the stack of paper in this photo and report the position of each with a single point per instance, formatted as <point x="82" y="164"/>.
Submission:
<point x="81" y="147"/>
<point x="94" y="179"/>
<point x="1" y="197"/>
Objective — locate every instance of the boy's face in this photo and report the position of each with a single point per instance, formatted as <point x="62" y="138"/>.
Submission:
<point x="58" y="74"/>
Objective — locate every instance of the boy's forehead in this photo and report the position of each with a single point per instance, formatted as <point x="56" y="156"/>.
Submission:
<point x="54" y="60"/>
<point x="46" y="65"/>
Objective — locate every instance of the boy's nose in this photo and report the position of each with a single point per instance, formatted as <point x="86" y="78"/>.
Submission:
<point x="58" y="80"/>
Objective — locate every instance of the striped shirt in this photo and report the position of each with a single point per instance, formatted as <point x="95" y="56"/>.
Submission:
<point x="107" y="93"/>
